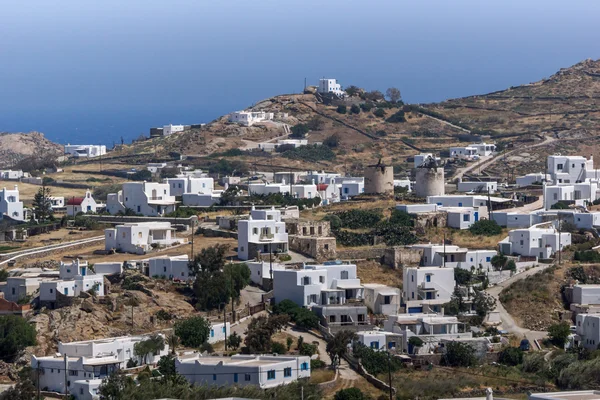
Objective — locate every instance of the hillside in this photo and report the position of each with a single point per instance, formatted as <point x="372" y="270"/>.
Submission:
<point x="17" y="147"/>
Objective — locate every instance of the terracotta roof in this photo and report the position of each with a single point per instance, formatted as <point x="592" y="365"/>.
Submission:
<point x="75" y="201"/>
<point x="322" y="186"/>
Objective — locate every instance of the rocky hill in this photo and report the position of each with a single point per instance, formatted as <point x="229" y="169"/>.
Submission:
<point x="17" y="147"/>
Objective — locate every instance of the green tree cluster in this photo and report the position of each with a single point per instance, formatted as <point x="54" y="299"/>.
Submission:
<point x="485" y="227"/>
<point x="15" y="334"/>
<point x="260" y="330"/>
<point x="193" y="331"/>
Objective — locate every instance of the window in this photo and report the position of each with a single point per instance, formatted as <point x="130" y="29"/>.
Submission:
<point x="223" y="329"/>
<point x="72" y="372"/>
<point x="460" y="204"/>
<point x="139" y="235"/>
<point x="326" y="247"/>
<point x="80" y="390"/>
<point x="466" y="218"/>
<point x="428" y="278"/>
<point x="559" y="166"/>
<point x="374" y="345"/>
<point x="304" y="366"/>
<point x="271" y="374"/>
<point x="212" y="333"/>
<point x="247" y="377"/>
<point x="321" y="279"/>
<point x="235" y="377"/>
<point x="139" y="208"/>
<point x="387" y="299"/>
<point x="255" y="231"/>
<point x="521" y="242"/>
<point x="412" y="278"/>
<point x="287" y="372"/>
<point x="164" y="269"/>
<point x="214" y="377"/>
<point x="488" y="259"/>
<point x="412" y="295"/>
<point x="51" y="290"/>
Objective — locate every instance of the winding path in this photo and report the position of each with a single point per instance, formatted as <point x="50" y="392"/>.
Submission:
<point x="36" y="250"/>
<point x="508" y="322"/>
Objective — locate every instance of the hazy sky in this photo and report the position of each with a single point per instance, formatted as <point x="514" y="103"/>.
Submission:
<point x="115" y="68"/>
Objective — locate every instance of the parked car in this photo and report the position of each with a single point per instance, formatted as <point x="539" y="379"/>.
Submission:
<point x="525" y="346"/>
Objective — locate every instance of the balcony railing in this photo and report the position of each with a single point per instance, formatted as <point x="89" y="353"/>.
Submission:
<point x="266" y="236"/>
<point x="155" y="198"/>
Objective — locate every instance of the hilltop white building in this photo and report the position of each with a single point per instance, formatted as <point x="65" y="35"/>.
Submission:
<point x="83" y="204"/>
<point x="264" y="371"/>
<point x="171" y="129"/>
<point x="264" y="232"/>
<point x="139" y="237"/>
<point x="330" y="86"/>
<point x="197" y="192"/>
<point x="427" y="289"/>
<point x="10" y="206"/>
<point x="541" y="241"/>
<point x="85" y="150"/>
<point x="8" y="174"/>
<point x="88" y="362"/>
<point x="326" y="284"/>
<point x="249" y="118"/>
<point x="477" y="187"/>
<point x="479" y="149"/>
<point x="571" y="169"/>
<point x="146" y="198"/>
<point x="379" y="339"/>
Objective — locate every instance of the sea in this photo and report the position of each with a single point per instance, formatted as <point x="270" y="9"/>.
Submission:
<point x="105" y="72"/>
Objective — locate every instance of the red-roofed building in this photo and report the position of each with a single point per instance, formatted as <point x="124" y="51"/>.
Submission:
<point x="85" y="204"/>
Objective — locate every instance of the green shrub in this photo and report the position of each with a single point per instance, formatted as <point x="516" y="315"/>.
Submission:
<point x="559" y="333"/>
<point x="379" y="112"/>
<point x="354" y="109"/>
<point x="367" y="106"/>
<point x="299" y="130"/>
<point x="375" y="361"/>
<point x="485" y="227"/>
<point x="590" y="256"/>
<point x="356" y="219"/>
<point x="332" y="141"/>
<point x="351" y="394"/>
<point x="317" y="364"/>
<point x="511" y="356"/>
<point x="311" y="153"/>
<point x="397" y="117"/>
<point x="307" y="349"/>
<point x="278" y="348"/>
<point x="459" y="355"/>
<point x="342" y="109"/>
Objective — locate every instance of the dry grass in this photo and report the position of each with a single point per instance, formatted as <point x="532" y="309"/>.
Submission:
<point x="464" y="238"/>
<point x="321" y="375"/>
<point x="373" y="272"/>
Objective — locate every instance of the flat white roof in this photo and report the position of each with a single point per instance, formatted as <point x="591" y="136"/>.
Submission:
<point x="574" y="395"/>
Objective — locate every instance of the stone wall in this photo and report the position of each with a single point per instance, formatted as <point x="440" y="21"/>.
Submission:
<point x="399" y="256"/>
<point x="303" y="227"/>
<point x="430" y="220"/>
<point x="113" y="219"/>
<point x="319" y="248"/>
<point x="357" y="254"/>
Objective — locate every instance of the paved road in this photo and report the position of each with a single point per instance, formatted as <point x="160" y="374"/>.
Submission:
<point x="508" y="322"/>
<point x="35" y="250"/>
<point x="447" y="123"/>
<point x="482" y="160"/>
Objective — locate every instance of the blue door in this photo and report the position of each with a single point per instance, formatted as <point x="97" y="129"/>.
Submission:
<point x="235" y="377"/>
<point x="83" y="271"/>
<point x="476" y="216"/>
<point x="66" y="291"/>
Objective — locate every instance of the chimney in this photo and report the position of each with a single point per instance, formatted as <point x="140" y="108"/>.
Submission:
<point x="16" y="187"/>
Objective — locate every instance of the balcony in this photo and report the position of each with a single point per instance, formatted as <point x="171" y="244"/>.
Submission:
<point x="266" y="237"/>
<point x="155" y="198"/>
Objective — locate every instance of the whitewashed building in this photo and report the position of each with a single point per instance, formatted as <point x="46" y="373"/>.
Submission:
<point x="452" y="256"/>
<point x="477" y="187"/>
<point x="188" y="184"/>
<point x="541" y="241"/>
<point x="530" y="179"/>
<point x="85" y="150"/>
<point x="330" y="86"/>
<point x="74" y="279"/>
<point x="382" y="299"/>
<point x="10" y="175"/>
<point x="580" y="194"/>
<point x="87" y="363"/>
<point x="264" y="232"/>
<point x="57" y="202"/>
<point x="588" y="330"/>
<point x="350" y="187"/>
<point x="146" y="198"/>
<point x="10" y="205"/>
<point x="264" y="371"/>
<point x="171" y="129"/>
<point x="262" y="270"/>
<point x="326" y="284"/>
<point x="514" y="220"/>
<point x="171" y="267"/>
<point x="427" y="289"/>
<point x="465" y="200"/>
<point x="322" y="176"/>
<point x="85" y="204"/>
<point x="571" y="169"/>
<point x="249" y="118"/>
<point x="379" y="340"/>
<point x="586" y="294"/>
<point x="430" y="328"/>
<point x="140" y="237"/>
<point x="218" y="332"/>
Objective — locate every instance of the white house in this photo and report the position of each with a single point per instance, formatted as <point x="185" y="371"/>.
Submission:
<point x="586" y="220"/>
<point x="218" y="332"/>
<point x="10" y="175"/>
<point x="451" y="256"/>
<point x="81" y="204"/>
<point x="530" y="179"/>
<point x="484" y="149"/>
<point x="588" y="330"/>
<point x="171" y="129"/>
<point x="463" y="217"/>
<point x="571" y="169"/>
<point x="262" y="270"/>
<point x="427" y="289"/>
<point x="541" y="241"/>
<point x="430" y="328"/>
<point x="249" y="118"/>
<point x="465" y="151"/>
<point x="379" y="339"/>
<point x="74" y="278"/>
<point x="350" y="187"/>
<point x="146" y="198"/>
<point x="10" y="206"/>
<point x="465" y="200"/>
<point x="263" y="232"/>
<point x="382" y="299"/>
<point x="57" y="202"/>
<point x="322" y="177"/>
<point x="298" y="191"/>
<point x="270" y="146"/>
<point x="264" y="371"/>
<point x="156" y="167"/>
<point x="580" y="194"/>
<point x="406" y="183"/>
<point x="326" y="284"/>
<point x="18" y="287"/>
<point x="514" y="220"/>
<point x="586" y="294"/>
<point x="330" y="86"/>
<point x="139" y="237"/>
<point x="85" y="150"/>
<point x="477" y="187"/>
<point x="88" y="362"/>
<point x="188" y="184"/>
<point x="171" y="267"/>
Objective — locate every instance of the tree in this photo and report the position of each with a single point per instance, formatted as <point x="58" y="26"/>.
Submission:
<point x="306" y="319"/>
<point x="415" y="341"/>
<point x="278" y="348"/>
<point x="24" y="389"/>
<point x="3" y="275"/>
<point x="238" y="276"/>
<point x="299" y="131"/>
<point x="337" y="346"/>
<point x="352" y="90"/>
<point x="234" y="341"/>
<point x="398" y="116"/>
<point x="289" y="342"/>
<point x="315" y="123"/>
<point x="354" y="109"/>
<point x="143" y="175"/>
<point x="379" y="112"/>
<point x="15" y="335"/>
<point x="511" y="356"/>
<point x="483" y="303"/>
<point x="374" y="95"/>
<point x="351" y="394"/>
<point x="42" y="206"/>
<point x="401" y="218"/>
<point x="511" y="266"/>
<point x="498" y="261"/>
<point x="212" y="289"/>
<point x="153" y="345"/>
<point x="485" y="227"/>
<point x="342" y="109"/>
<point x="332" y="141"/>
<point x="210" y="258"/>
<point x="230" y="196"/>
<point x="393" y="94"/>
<point x="260" y="330"/>
<point x="462" y="276"/>
<point x="192" y="331"/>
<point x="113" y="386"/>
<point x="559" y="333"/>
<point x="166" y="365"/>
<point x="459" y="354"/>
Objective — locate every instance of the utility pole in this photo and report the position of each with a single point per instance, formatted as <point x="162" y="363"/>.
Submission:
<point x="66" y="368"/>
<point x="192" y="255"/>
<point x="225" y="323"/>
<point x="132" y="305"/>
<point x="302" y="387"/>
<point x="39" y="392"/>
<point x="444" y="241"/>
<point x="490" y="204"/>
<point x="390" y="376"/>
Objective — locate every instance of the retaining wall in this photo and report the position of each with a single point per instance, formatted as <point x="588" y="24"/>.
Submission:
<point x="115" y="219"/>
<point x="368" y="253"/>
